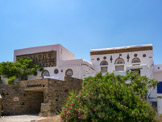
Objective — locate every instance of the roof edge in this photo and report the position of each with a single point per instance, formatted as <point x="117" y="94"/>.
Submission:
<point x="121" y="49"/>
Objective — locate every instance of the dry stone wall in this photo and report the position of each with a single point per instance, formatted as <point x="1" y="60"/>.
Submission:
<point x="15" y="100"/>
<point x="57" y="93"/>
<point x="45" y="96"/>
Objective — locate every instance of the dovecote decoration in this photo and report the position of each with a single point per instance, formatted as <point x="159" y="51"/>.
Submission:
<point x="128" y="57"/>
<point x="135" y="55"/>
<point x="44" y="59"/>
<point x="144" y="55"/>
<point x="120" y="55"/>
<point x="111" y="59"/>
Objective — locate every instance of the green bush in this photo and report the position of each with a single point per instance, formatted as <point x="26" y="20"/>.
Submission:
<point x="109" y="98"/>
<point x="19" y="69"/>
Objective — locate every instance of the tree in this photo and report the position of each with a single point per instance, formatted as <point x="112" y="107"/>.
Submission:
<point x="110" y="98"/>
<point x="19" y="69"/>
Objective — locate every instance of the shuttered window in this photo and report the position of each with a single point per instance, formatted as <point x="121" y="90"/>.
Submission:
<point x="159" y="88"/>
<point x="119" y="68"/>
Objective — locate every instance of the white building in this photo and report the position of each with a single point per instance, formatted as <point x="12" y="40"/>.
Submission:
<point x="138" y="59"/>
<point x="59" y="62"/>
<point x="120" y="60"/>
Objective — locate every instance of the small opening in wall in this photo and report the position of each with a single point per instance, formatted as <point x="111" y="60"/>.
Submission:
<point x="158" y="67"/>
<point x="24" y="94"/>
<point x="22" y="104"/>
<point x="135" y="55"/>
<point x="144" y="55"/>
<point x="43" y="85"/>
<point x="56" y="99"/>
<point x="3" y="94"/>
<point x="154" y="105"/>
<point x="66" y="90"/>
<point x="98" y="59"/>
<point x="56" y="71"/>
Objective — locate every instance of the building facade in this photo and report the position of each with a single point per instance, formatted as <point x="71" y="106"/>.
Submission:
<point x="59" y="62"/>
<point x="137" y="59"/>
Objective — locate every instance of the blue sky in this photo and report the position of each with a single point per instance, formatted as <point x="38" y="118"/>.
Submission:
<point x="80" y="25"/>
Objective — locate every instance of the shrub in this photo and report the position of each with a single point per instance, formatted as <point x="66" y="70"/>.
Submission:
<point x="109" y="98"/>
<point x="19" y="69"/>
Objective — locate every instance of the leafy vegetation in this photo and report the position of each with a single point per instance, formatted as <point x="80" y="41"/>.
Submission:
<point x="19" y="69"/>
<point x="111" y="98"/>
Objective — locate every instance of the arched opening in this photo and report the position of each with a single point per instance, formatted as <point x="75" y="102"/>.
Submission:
<point x="69" y="72"/>
<point x="45" y="74"/>
<point x="119" y="64"/>
<point x="136" y="60"/>
<point x="119" y="61"/>
<point x="104" y="66"/>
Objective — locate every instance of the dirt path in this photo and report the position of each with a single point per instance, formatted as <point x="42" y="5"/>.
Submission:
<point x="20" y="118"/>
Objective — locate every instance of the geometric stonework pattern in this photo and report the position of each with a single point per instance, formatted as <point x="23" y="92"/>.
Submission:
<point x="44" y="59"/>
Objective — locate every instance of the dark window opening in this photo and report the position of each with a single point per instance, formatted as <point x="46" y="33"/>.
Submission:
<point x="159" y="88"/>
<point x="136" y="72"/>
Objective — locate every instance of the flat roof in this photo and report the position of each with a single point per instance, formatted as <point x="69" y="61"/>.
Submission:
<point x="133" y="48"/>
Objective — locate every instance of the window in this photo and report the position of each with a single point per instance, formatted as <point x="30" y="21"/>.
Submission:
<point x="45" y="74"/>
<point x="104" y="66"/>
<point x="136" y="60"/>
<point x="56" y="71"/>
<point x="136" y="72"/>
<point x="119" y="61"/>
<point x="69" y="72"/>
<point x="103" y="69"/>
<point x="119" y="64"/>
<point x="159" y="88"/>
<point x="154" y="105"/>
<point x="119" y="68"/>
<point x="104" y="63"/>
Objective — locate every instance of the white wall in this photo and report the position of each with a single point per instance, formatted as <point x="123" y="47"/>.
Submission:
<point x="62" y="53"/>
<point x="66" y="54"/>
<point x="78" y="66"/>
<point x="148" y="60"/>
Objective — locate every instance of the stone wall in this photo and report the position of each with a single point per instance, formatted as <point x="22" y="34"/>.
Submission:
<point x="57" y="93"/>
<point x="46" y="96"/>
<point x="15" y="100"/>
